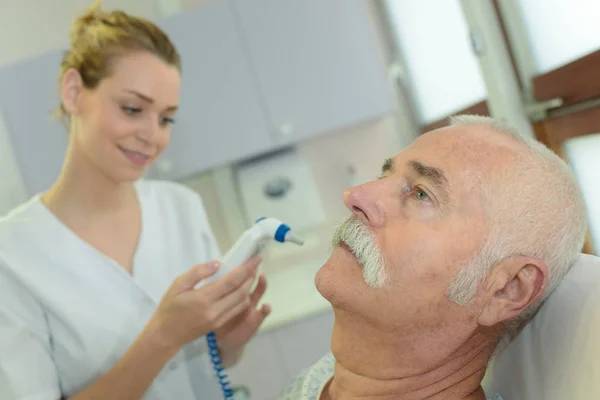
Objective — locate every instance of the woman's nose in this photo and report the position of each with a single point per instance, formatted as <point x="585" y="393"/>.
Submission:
<point x="148" y="132"/>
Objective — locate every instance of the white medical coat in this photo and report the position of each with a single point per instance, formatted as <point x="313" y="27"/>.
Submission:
<point x="68" y="312"/>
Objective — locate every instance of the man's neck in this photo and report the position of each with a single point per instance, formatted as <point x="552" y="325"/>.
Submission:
<point x="375" y="364"/>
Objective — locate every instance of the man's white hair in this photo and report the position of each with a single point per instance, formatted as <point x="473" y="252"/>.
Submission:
<point x="533" y="208"/>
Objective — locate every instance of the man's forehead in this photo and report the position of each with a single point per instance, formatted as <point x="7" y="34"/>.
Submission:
<point x="459" y="151"/>
<point x="471" y="141"/>
<point x="443" y="141"/>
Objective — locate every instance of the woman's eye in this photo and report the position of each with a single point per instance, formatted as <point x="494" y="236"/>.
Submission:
<point x="131" y="110"/>
<point x="167" y="121"/>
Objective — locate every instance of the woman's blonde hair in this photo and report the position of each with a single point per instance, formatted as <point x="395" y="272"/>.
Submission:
<point x="98" y="37"/>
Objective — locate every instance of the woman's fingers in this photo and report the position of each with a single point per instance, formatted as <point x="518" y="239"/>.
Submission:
<point x="259" y="291"/>
<point x="234" y="279"/>
<point x="190" y="278"/>
<point x="234" y="311"/>
<point x="230" y="301"/>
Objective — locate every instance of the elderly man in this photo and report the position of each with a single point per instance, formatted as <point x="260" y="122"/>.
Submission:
<point x="462" y="238"/>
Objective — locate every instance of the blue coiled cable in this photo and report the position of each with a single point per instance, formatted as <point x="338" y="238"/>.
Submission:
<point x="215" y="358"/>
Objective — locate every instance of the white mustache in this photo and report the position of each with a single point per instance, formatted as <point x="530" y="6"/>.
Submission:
<point x="361" y="242"/>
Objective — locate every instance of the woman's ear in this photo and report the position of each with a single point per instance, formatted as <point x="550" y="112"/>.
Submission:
<point x="515" y="284"/>
<point x="71" y="89"/>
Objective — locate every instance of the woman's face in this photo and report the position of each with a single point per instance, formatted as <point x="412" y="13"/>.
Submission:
<point x="124" y="124"/>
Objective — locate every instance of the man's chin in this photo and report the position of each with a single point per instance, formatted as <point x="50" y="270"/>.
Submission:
<point x="324" y="279"/>
<point x="336" y="278"/>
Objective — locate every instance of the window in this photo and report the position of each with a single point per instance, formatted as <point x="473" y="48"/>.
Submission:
<point x="582" y="153"/>
<point x="561" y="31"/>
<point x="434" y="40"/>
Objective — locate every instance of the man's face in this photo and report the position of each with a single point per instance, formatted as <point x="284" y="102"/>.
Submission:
<point x="425" y="215"/>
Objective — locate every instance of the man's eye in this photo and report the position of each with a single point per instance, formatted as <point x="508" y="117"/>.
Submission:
<point x="421" y="195"/>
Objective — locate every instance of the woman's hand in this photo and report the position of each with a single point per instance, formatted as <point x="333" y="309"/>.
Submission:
<point x="185" y="314"/>
<point x="233" y="335"/>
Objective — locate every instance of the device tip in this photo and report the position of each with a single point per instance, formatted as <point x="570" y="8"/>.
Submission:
<point x="294" y="239"/>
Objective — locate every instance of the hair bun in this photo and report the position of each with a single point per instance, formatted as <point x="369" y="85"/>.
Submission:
<point x="88" y="18"/>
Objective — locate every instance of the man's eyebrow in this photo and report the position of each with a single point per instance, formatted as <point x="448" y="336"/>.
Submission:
<point x="434" y="175"/>
<point x="388" y="166"/>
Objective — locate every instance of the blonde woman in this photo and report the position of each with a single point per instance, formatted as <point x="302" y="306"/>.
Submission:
<point x="99" y="295"/>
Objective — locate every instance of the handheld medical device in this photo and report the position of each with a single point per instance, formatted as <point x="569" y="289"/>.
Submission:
<point x="251" y="243"/>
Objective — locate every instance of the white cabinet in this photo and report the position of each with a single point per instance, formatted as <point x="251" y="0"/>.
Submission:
<point x="317" y="64"/>
<point x="220" y="119"/>
<point x="274" y="358"/>
<point x="29" y="93"/>
<point x="262" y="74"/>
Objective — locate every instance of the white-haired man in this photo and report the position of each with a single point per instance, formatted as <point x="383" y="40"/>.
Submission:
<point x="465" y="234"/>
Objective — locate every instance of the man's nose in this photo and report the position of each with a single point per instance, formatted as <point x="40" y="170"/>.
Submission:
<point x="364" y="203"/>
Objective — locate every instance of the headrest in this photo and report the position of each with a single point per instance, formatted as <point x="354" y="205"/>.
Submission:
<point x="557" y="354"/>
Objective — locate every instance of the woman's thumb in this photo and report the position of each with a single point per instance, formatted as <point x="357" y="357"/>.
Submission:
<point x="191" y="278"/>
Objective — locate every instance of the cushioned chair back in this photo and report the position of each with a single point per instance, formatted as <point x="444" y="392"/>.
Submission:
<point x="557" y="355"/>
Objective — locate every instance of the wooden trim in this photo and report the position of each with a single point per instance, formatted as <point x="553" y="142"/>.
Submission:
<point x="588" y="248"/>
<point x="480" y="108"/>
<point x="574" y="82"/>
<point x="554" y="131"/>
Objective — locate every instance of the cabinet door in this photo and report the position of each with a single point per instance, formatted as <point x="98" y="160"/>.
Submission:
<point x="305" y="342"/>
<point x="260" y="370"/>
<point x="29" y="93"/>
<point x="220" y="118"/>
<point x="317" y="64"/>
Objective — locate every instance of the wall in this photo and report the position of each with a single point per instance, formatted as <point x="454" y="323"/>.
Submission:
<point x="362" y="147"/>
<point x="49" y="23"/>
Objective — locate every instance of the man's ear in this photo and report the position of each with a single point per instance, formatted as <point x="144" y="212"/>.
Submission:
<point x="71" y="89"/>
<point x="511" y="287"/>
